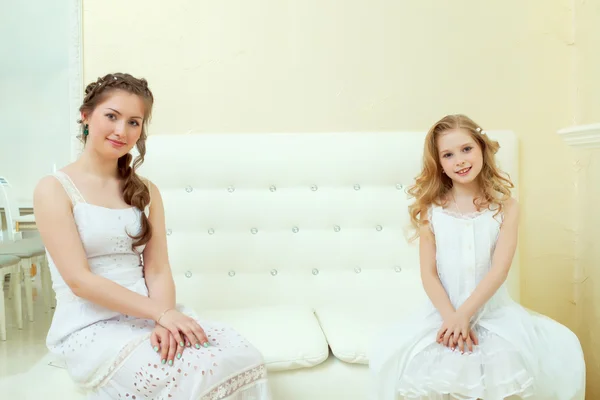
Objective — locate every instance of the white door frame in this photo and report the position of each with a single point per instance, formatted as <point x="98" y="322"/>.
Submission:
<point x="75" y="75"/>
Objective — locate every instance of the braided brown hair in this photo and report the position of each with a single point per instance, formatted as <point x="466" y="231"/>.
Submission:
<point x="135" y="191"/>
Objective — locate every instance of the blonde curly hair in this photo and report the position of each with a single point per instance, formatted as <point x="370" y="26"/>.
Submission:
<point x="432" y="185"/>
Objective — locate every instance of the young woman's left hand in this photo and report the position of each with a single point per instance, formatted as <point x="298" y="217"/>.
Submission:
<point x="453" y="328"/>
<point x="164" y="343"/>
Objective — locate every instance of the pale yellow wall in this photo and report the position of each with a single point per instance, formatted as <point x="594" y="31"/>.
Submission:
<point x="319" y="65"/>
<point x="587" y="45"/>
<point x="587" y="33"/>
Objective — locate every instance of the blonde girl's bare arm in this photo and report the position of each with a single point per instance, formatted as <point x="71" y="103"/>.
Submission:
<point x="501" y="261"/>
<point x="429" y="273"/>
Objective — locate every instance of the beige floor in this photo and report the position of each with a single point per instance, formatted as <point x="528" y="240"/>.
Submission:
<point x="26" y="368"/>
<point x="23" y="348"/>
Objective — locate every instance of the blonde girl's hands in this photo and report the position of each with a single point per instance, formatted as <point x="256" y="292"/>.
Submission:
<point x="465" y="344"/>
<point x="453" y="328"/>
<point x="164" y="343"/>
<point x="183" y="328"/>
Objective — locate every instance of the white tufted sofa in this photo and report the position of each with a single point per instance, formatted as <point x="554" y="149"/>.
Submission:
<point x="299" y="242"/>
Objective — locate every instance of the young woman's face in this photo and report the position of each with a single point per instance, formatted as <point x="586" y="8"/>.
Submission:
<point x="115" y="125"/>
<point x="460" y="155"/>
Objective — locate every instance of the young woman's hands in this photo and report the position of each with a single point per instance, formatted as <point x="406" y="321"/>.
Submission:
<point x="183" y="328"/>
<point x="164" y="343"/>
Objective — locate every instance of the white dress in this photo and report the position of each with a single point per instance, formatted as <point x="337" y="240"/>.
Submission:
<point x="109" y="355"/>
<point x="520" y="353"/>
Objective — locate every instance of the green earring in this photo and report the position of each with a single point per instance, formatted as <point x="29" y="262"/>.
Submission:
<point x="85" y="130"/>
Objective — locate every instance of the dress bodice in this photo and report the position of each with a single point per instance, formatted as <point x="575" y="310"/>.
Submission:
<point x="105" y="235"/>
<point x="465" y="246"/>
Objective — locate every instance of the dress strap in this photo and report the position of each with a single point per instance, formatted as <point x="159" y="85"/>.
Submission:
<point x="66" y="182"/>
<point x="430" y="217"/>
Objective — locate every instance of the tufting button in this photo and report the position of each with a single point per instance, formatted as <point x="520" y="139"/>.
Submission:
<point x="211" y="231"/>
<point x="231" y="189"/>
<point x="188" y="274"/>
<point x="357" y="270"/>
<point x="273" y="272"/>
<point x="379" y="227"/>
<point x="314" y="188"/>
<point x="315" y="271"/>
<point x="232" y="273"/>
<point x="169" y="232"/>
<point x="254" y="231"/>
<point x="272" y="188"/>
<point x="399" y="186"/>
<point x="336" y="228"/>
<point x="189" y="189"/>
<point x="398" y="269"/>
<point x="357" y="187"/>
<point x="295" y="229"/>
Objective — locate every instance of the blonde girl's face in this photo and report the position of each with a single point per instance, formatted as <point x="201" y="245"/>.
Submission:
<point x="460" y="155"/>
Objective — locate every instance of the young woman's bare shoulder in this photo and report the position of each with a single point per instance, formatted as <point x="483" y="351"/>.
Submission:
<point x="49" y="190"/>
<point x="48" y="185"/>
<point x="149" y="184"/>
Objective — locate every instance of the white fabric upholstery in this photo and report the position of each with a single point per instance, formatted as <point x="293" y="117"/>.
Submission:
<point x="349" y="330"/>
<point x="281" y="348"/>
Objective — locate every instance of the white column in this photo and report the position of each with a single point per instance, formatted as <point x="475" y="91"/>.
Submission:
<point x="585" y="139"/>
<point x="582" y="136"/>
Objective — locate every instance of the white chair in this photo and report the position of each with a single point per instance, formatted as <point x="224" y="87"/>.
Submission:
<point x="14" y="218"/>
<point x="31" y="251"/>
<point x="10" y="265"/>
<point x="28" y="251"/>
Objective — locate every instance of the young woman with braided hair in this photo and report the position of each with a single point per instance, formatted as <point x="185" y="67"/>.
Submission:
<point x="117" y="325"/>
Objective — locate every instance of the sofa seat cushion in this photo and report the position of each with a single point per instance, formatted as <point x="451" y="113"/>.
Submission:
<point x="351" y="330"/>
<point x="289" y="337"/>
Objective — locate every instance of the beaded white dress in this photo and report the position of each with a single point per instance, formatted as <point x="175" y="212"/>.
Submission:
<point x="520" y="353"/>
<point x="109" y="355"/>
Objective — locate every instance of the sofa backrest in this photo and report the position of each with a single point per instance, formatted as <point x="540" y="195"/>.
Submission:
<point x="259" y="219"/>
